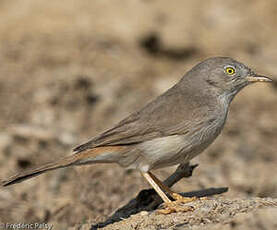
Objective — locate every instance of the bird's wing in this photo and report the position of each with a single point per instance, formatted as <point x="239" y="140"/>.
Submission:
<point x="167" y="115"/>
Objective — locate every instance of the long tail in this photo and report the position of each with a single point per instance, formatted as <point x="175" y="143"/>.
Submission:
<point x="85" y="157"/>
<point x="65" y="162"/>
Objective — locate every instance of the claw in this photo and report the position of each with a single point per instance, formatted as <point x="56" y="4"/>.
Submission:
<point x="174" y="206"/>
<point x="180" y="199"/>
<point x="177" y="205"/>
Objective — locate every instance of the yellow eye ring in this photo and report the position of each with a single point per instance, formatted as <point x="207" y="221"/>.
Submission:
<point x="230" y="70"/>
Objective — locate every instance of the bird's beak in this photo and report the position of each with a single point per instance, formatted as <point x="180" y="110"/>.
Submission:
<point x="252" y="78"/>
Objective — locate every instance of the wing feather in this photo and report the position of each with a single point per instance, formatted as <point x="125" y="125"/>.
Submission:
<point x="169" y="114"/>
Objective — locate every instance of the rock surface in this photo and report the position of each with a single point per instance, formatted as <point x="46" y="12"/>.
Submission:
<point x="208" y="214"/>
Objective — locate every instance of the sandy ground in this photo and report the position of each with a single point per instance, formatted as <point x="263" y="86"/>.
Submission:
<point x="71" y="69"/>
<point x="209" y="214"/>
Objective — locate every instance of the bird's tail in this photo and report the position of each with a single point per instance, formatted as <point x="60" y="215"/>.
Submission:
<point x="85" y="157"/>
<point x="65" y="162"/>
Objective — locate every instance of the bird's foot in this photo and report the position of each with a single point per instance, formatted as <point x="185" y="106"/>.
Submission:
<point x="172" y="207"/>
<point x="178" y="204"/>
<point x="181" y="199"/>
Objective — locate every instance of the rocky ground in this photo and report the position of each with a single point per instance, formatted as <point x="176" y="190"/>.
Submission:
<point x="71" y="69"/>
<point x="208" y="214"/>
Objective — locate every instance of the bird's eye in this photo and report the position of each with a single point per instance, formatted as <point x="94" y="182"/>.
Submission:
<point x="230" y="70"/>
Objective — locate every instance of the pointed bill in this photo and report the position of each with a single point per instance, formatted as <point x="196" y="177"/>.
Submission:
<point x="257" y="78"/>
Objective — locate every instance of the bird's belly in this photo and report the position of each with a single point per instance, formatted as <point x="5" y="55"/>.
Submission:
<point x="162" y="152"/>
<point x="175" y="149"/>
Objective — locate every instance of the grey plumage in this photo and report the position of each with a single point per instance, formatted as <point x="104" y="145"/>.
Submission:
<point x="171" y="129"/>
<point x="174" y="112"/>
<point x="194" y="110"/>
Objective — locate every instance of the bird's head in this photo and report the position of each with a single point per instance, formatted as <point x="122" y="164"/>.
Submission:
<point x="227" y="75"/>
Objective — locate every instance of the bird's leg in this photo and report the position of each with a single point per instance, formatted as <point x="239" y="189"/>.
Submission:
<point x="170" y="206"/>
<point x="156" y="187"/>
<point x="177" y="197"/>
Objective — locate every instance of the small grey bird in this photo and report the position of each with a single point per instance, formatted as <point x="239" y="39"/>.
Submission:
<point x="172" y="129"/>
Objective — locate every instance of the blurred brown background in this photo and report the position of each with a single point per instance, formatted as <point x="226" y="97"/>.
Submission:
<point x="71" y="69"/>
